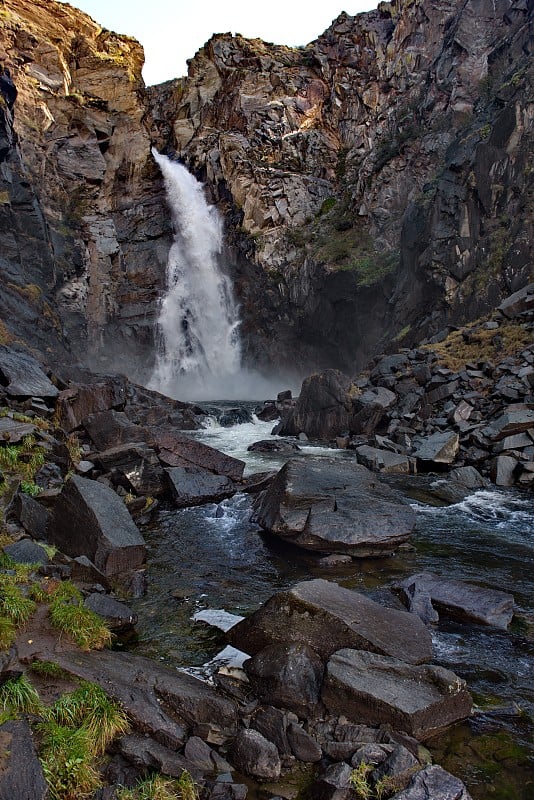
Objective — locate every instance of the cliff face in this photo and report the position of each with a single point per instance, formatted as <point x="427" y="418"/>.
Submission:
<point x="376" y="184"/>
<point x="376" y="181"/>
<point x="79" y="121"/>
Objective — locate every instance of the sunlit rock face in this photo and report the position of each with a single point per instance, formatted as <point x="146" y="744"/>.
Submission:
<point x="85" y="149"/>
<point x="374" y="183"/>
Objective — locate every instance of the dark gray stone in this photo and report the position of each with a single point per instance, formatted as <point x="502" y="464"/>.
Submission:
<point x="304" y="747"/>
<point x="191" y="486"/>
<point x="439" y="448"/>
<point x="333" y="784"/>
<point x="177" y="450"/>
<point x="503" y="470"/>
<point x="146" y="753"/>
<point x="287" y="675"/>
<point x="79" y="401"/>
<point x="513" y="421"/>
<point x="21" y="774"/>
<point x="12" y="432"/>
<point x="460" y="600"/>
<point x="420" y="700"/>
<point x="254" y="755"/>
<point x="90" y="519"/>
<point x="379" y="460"/>
<point x="26" y="552"/>
<point x="434" y="783"/>
<point x="117" y="615"/>
<point x="22" y="376"/>
<point x="327" y="617"/>
<point x="200" y="754"/>
<point x="334" y="506"/>
<point x="273" y="446"/>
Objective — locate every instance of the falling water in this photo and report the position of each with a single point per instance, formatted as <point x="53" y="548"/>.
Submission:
<point x="199" y="347"/>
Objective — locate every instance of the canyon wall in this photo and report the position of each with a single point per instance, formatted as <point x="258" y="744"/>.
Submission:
<point x="376" y="184"/>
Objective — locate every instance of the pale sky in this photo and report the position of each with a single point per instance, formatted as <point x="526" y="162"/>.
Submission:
<point x="171" y="31"/>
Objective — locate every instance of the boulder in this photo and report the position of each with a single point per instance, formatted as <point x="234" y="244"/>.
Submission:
<point x="176" y="450"/>
<point x="518" y="302"/>
<point x="379" y="460"/>
<point x="254" y="755"/>
<point x="303" y="746"/>
<point x="191" y="486"/>
<point x="287" y="675"/>
<point x="79" y="401"/>
<point x="459" y="600"/>
<point x="437" y="449"/>
<point x="376" y="690"/>
<point x="369" y="408"/>
<point x="334" y="506"/>
<point x="334" y="783"/>
<point x="234" y="416"/>
<point x="273" y="446"/>
<point x="134" y="466"/>
<point x="13" y="432"/>
<point x="323" y="409"/>
<point x="112" y="428"/>
<point x="327" y="617"/>
<point x="22" y="376"/>
<point x="516" y="419"/>
<point x="25" y="551"/>
<point x="21" y="774"/>
<point x="434" y="783"/>
<point x="202" y="756"/>
<point x="503" y="470"/>
<point x="118" y="616"/>
<point x="272" y="723"/>
<point x="90" y="519"/>
<point x="146" y="753"/>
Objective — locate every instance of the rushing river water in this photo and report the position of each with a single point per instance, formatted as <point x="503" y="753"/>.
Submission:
<point x="213" y="557"/>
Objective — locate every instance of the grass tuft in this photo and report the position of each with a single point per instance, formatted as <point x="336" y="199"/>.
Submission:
<point x="67" y="759"/>
<point x="89" y="707"/>
<point x="85" y="628"/>
<point x="14" y="605"/>
<point x="48" y="669"/>
<point x="19" y="697"/>
<point x="8" y="632"/>
<point x="158" y="787"/>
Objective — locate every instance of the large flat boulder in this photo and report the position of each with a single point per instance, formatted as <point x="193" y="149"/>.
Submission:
<point x="376" y="690"/>
<point x="334" y="506"/>
<point x="22" y="376"/>
<point x="90" y="519"/>
<point x="190" y="486"/>
<point x="112" y="428"/>
<point x="327" y="618"/>
<point x="437" y="449"/>
<point x="458" y="599"/>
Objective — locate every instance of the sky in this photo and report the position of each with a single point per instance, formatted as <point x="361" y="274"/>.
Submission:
<point x="172" y="31"/>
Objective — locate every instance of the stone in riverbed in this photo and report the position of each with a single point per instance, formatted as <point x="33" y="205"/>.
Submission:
<point x="90" y="519"/>
<point x="191" y="486"/>
<point x="434" y="783"/>
<point x="327" y="617"/>
<point x="134" y="466"/>
<point x="334" y="506"/>
<point x="379" y="460"/>
<point x="176" y="450"/>
<point x="459" y="599"/>
<point x="118" y="616"/>
<point x="440" y="448"/>
<point x="420" y="700"/>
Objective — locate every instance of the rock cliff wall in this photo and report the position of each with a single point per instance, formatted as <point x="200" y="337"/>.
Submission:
<point x="376" y="183"/>
<point x="378" y="177"/>
<point x="80" y="126"/>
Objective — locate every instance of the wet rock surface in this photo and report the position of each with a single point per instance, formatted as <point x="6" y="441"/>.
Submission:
<point x="21" y="774"/>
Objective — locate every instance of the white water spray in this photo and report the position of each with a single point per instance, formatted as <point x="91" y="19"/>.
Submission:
<point x="199" y="353"/>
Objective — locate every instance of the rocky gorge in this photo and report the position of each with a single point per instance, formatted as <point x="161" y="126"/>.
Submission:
<point x="375" y="190"/>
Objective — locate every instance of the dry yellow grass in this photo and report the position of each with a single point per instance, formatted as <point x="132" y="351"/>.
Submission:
<point x="474" y="343"/>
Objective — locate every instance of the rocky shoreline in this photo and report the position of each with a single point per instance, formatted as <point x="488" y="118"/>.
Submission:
<point x="333" y="685"/>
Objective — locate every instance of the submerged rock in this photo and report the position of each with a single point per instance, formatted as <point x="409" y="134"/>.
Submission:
<point x="191" y="486"/>
<point x="90" y="519"/>
<point x="420" y="700"/>
<point x="327" y="617"/>
<point x="458" y="599"/>
<point x="333" y="506"/>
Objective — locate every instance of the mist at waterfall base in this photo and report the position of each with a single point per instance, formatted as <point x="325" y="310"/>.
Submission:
<point x="198" y="341"/>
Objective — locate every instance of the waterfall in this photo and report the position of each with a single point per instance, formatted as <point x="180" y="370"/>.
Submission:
<point x="198" y="350"/>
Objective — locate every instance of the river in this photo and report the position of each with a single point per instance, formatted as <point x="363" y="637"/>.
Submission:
<point x="213" y="557"/>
